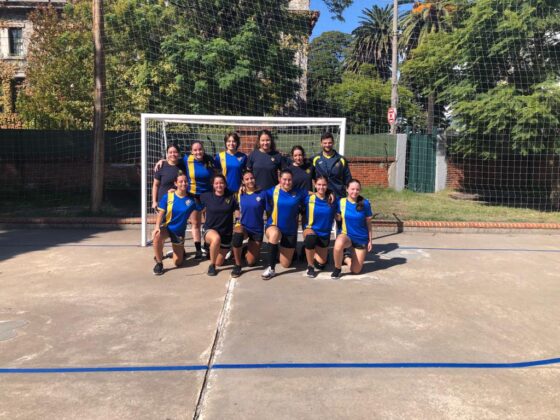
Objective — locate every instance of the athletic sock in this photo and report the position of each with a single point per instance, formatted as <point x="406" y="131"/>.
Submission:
<point x="198" y="247"/>
<point x="273" y="256"/>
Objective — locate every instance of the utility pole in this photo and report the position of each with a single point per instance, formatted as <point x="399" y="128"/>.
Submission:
<point x="99" y="108"/>
<point x="394" y="64"/>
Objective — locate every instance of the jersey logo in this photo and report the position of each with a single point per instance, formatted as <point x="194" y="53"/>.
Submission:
<point x="337" y="164"/>
<point x="240" y="158"/>
<point x="258" y="199"/>
<point x="308" y="171"/>
<point x="320" y="162"/>
<point x="228" y="200"/>
<point x="272" y="159"/>
<point x="188" y="202"/>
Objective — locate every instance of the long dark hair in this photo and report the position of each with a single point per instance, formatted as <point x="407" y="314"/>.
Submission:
<point x="324" y="178"/>
<point x="208" y="161"/>
<point x="360" y="200"/>
<point x="269" y="134"/>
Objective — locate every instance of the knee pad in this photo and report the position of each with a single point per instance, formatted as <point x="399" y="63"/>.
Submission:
<point x="310" y="241"/>
<point x="237" y="240"/>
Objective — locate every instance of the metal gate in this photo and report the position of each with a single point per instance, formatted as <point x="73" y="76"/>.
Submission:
<point x="421" y="162"/>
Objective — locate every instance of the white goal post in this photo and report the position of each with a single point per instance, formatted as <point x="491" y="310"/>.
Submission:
<point x="159" y="130"/>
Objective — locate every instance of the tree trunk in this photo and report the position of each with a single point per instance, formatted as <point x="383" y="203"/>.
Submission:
<point x="430" y="118"/>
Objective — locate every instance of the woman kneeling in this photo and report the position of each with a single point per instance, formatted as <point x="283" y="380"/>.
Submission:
<point x="355" y="215"/>
<point x="284" y="204"/>
<point x="174" y="210"/>
<point x="221" y="207"/>
<point x="319" y="218"/>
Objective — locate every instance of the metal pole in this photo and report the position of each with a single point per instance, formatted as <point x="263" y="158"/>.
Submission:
<point x="99" y="116"/>
<point x="394" y="63"/>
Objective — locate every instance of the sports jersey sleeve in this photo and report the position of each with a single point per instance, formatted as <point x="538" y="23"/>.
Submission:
<point x="217" y="163"/>
<point x="367" y="208"/>
<point x="337" y="206"/>
<point x="269" y="201"/>
<point x="162" y="205"/>
<point x="346" y="175"/>
<point x="249" y="163"/>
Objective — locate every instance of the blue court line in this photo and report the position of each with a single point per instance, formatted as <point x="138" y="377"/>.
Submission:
<point x="264" y="366"/>
<point x="476" y="249"/>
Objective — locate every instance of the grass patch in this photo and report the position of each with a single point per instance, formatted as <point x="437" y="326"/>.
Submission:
<point x="439" y="206"/>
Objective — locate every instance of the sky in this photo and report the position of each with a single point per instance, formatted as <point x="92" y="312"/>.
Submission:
<point x="351" y="16"/>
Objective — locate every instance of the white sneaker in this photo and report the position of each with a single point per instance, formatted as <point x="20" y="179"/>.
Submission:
<point x="268" y="273"/>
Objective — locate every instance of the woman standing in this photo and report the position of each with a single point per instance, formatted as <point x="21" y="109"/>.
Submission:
<point x="319" y="218"/>
<point x="284" y="204"/>
<point x="231" y="162"/>
<point x="301" y="168"/>
<point x="165" y="177"/>
<point x="173" y="211"/>
<point x="354" y="213"/>
<point x="200" y="170"/>
<point x="252" y="205"/>
<point x="221" y="207"/>
<point x="265" y="162"/>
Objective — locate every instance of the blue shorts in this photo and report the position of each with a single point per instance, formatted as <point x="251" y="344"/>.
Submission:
<point x="174" y="237"/>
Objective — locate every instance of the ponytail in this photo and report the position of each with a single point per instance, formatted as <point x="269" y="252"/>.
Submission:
<point x="360" y="203"/>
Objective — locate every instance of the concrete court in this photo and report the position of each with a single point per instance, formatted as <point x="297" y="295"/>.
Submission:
<point x="87" y="298"/>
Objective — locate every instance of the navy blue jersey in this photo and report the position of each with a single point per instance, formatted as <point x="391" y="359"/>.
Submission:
<point x="232" y="167"/>
<point x="319" y="215"/>
<point x="166" y="176"/>
<point x="252" y="207"/>
<point x="219" y="211"/>
<point x="302" y="175"/>
<point x="265" y="167"/>
<point x="284" y="208"/>
<point x="176" y="212"/>
<point x="354" y="222"/>
<point x="335" y="169"/>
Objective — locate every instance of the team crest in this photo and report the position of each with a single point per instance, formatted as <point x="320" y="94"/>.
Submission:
<point x="228" y="200"/>
<point x="240" y="158"/>
<point x="188" y="202"/>
<point x="272" y="159"/>
<point x="308" y="171"/>
<point x="258" y="199"/>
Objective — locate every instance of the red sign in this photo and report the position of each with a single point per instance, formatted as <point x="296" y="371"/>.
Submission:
<point x="391" y="115"/>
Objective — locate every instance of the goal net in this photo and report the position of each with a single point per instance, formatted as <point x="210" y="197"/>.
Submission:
<point x="160" y="130"/>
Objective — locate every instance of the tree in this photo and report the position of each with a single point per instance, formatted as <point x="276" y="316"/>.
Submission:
<point x="372" y="41"/>
<point x="325" y="67"/>
<point x="499" y="74"/>
<point x="364" y="97"/>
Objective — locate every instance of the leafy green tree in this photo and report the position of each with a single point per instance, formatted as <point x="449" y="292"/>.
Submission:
<point x="57" y="92"/>
<point x="502" y="88"/>
<point x="372" y="41"/>
<point x="364" y="98"/>
<point x="325" y="67"/>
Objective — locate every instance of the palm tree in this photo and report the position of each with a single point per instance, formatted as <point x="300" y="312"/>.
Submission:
<point x="424" y="18"/>
<point x="427" y="17"/>
<point x="372" y="41"/>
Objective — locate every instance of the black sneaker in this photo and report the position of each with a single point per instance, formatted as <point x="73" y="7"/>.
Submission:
<point x="198" y="255"/>
<point x="236" y="272"/>
<point x="158" y="269"/>
<point x="310" y="272"/>
<point x="319" y="266"/>
<point x="212" y="270"/>
<point x="336" y="273"/>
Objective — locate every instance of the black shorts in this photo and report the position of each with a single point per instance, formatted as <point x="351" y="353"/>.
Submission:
<point x="254" y="236"/>
<point x="359" y="246"/>
<point x="225" y="239"/>
<point x="323" y="242"/>
<point x="288" y="241"/>
<point x="174" y="238"/>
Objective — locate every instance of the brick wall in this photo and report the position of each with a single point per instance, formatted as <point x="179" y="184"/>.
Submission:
<point x="372" y="172"/>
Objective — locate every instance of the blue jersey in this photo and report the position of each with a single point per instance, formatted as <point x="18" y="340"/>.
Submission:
<point x="284" y="208"/>
<point x="252" y="207"/>
<point x="232" y="167"/>
<point x="176" y="212"/>
<point x="319" y="215"/>
<point x="198" y="175"/>
<point x="353" y="221"/>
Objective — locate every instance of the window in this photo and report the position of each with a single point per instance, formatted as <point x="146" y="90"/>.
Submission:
<point x="15" y="36"/>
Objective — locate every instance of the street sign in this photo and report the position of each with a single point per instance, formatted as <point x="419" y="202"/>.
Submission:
<point x="391" y="115"/>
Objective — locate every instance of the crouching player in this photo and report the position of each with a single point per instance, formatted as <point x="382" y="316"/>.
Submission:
<point x="252" y="205"/>
<point x="319" y="218"/>
<point x="354" y="213"/>
<point x="174" y="209"/>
